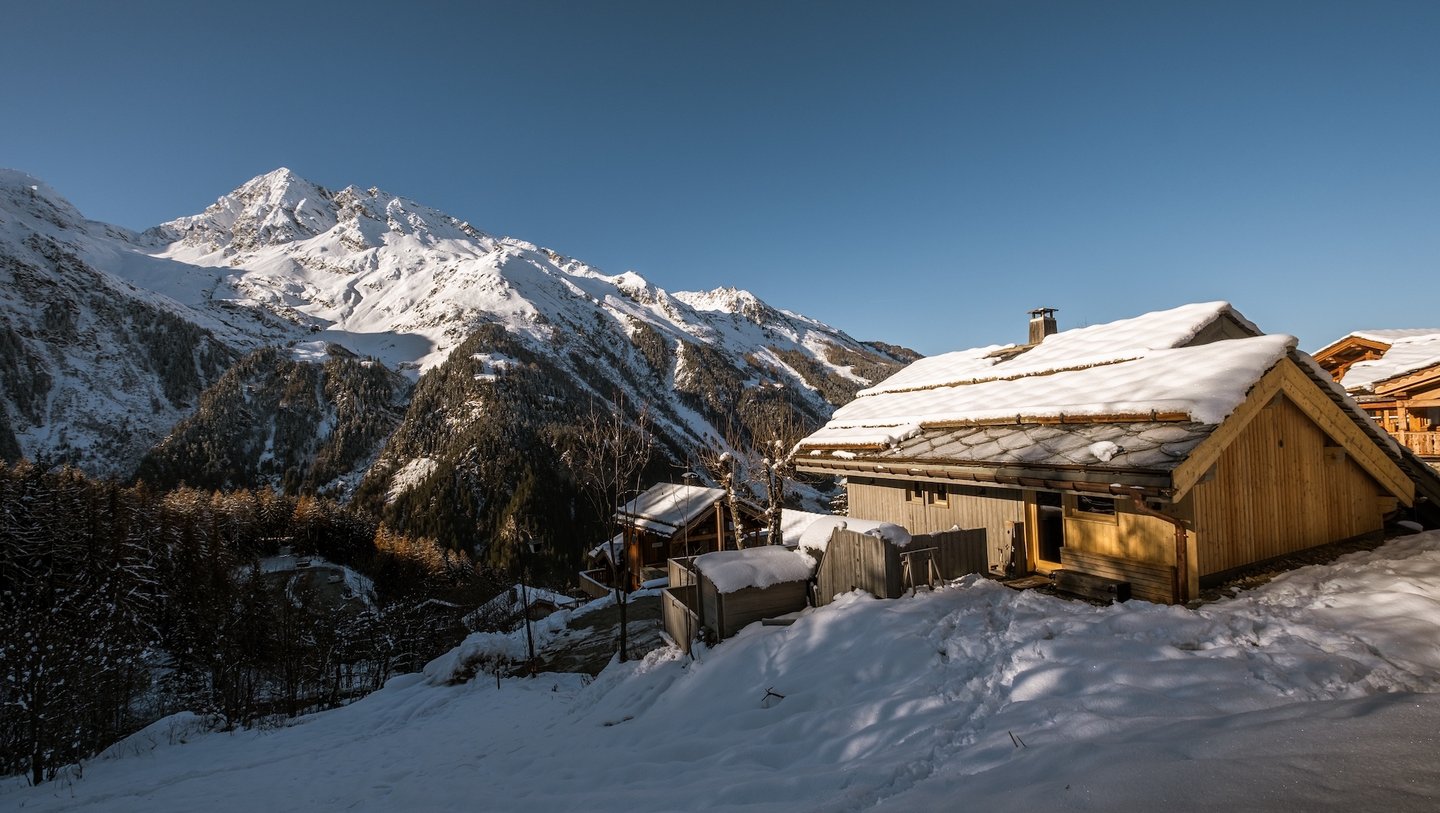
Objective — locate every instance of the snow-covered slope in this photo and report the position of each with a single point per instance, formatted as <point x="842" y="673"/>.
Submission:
<point x="283" y="261"/>
<point x="390" y="277"/>
<point x="97" y="358"/>
<point x="1314" y="692"/>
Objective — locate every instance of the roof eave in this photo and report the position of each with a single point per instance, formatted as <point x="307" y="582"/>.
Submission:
<point x="1055" y="477"/>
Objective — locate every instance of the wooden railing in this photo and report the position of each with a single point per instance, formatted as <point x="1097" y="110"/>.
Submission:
<point x="596" y="583"/>
<point x="1425" y="444"/>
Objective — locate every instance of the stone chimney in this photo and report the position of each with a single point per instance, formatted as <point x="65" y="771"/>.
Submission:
<point x="1042" y="324"/>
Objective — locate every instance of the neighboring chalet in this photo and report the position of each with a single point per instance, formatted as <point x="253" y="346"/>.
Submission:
<point x="664" y="522"/>
<point x="1395" y="377"/>
<point x="1165" y="451"/>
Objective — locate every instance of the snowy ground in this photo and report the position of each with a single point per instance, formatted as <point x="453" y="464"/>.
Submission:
<point x="1313" y="692"/>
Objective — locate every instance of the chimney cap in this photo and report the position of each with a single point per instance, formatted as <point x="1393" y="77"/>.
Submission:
<point x="1040" y="313"/>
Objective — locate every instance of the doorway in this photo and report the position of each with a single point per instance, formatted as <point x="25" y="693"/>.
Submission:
<point x="1049" y="527"/>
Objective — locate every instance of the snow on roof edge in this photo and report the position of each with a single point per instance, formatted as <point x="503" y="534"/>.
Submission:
<point x="1206" y="382"/>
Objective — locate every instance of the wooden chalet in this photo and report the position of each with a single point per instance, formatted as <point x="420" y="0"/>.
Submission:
<point x="1395" y="377"/>
<point x="666" y="521"/>
<point x="1163" y="451"/>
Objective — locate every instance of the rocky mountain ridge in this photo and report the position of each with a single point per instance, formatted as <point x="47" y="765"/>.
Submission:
<point x="281" y="262"/>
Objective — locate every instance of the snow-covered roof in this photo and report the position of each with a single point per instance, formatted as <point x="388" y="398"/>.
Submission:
<point x="1409" y="350"/>
<point x="734" y="570"/>
<point x="1067" y="350"/>
<point x="1384" y="335"/>
<point x="610" y="550"/>
<point x="512" y="601"/>
<point x="1147" y="445"/>
<point x="803" y="529"/>
<point x="666" y="507"/>
<point x="1139" y="393"/>
<point x="1204" y="383"/>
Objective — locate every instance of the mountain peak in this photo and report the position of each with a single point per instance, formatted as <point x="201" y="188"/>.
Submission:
<point x="280" y="207"/>
<point x="22" y="192"/>
<point x="737" y="301"/>
<point x="277" y="207"/>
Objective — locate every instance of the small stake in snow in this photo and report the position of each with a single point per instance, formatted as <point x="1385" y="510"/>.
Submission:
<point x="1019" y="743"/>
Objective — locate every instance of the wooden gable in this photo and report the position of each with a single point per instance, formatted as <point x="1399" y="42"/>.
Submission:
<point x="1338" y="357"/>
<point x="1286" y="379"/>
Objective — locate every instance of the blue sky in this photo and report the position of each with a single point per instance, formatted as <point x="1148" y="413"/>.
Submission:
<point x="920" y="173"/>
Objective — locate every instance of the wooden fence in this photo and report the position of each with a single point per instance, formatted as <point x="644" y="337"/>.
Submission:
<point x="856" y="561"/>
<point x="677" y="609"/>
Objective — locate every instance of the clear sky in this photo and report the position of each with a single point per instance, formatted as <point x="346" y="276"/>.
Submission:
<point x="920" y="173"/>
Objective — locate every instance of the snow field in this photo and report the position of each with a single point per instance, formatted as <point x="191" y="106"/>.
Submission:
<point x="1312" y="692"/>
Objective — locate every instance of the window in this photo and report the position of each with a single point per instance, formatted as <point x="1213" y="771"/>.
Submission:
<point x="1091" y="508"/>
<point x="1087" y="504"/>
<point x="937" y="494"/>
<point x="928" y="493"/>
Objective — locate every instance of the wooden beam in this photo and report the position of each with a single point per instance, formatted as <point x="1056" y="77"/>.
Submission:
<point x="1020" y="419"/>
<point x="1157" y="483"/>
<point x="1416" y="379"/>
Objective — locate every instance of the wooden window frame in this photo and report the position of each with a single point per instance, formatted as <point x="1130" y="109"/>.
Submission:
<point x="937" y="494"/>
<point x="1073" y="510"/>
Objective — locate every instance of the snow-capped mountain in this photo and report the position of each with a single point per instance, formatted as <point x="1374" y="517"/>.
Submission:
<point x="95" y="366"/>
<point x="398" y="280"/>
<point x="282" y="261"/>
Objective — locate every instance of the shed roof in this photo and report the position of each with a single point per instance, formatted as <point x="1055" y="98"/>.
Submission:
<point x="610" y="550"/>
<point x="665" y="508"/>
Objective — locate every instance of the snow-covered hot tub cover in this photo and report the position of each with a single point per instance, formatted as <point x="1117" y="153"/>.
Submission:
<point x="806" y="530"/>
<point x="734" y="570"/>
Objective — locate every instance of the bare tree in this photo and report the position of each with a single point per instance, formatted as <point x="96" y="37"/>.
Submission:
<point x="724" y="468"/>
<point x="777" y="450"/>
<point x="608" y="459"/>
<point x="766" y="464"/>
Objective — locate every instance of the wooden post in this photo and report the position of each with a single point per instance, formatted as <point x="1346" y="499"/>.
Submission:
<point x="719" y="526"/>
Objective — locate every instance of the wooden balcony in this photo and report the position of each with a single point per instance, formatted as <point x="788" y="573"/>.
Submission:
<point x="1424" y="444"/>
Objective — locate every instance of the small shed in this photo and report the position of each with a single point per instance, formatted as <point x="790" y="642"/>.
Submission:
<point x="665" y="521"/>
<point x="734" y="588"/>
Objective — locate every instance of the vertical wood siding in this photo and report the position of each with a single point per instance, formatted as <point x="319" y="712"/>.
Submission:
<point x="681" y="622"/>
<point x="856" y="561"/>
<point x="1279" y="488"/>
<point x="1127" y="535"/>
<point x="969" y="507"/>
<point x="725" y="614"/>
